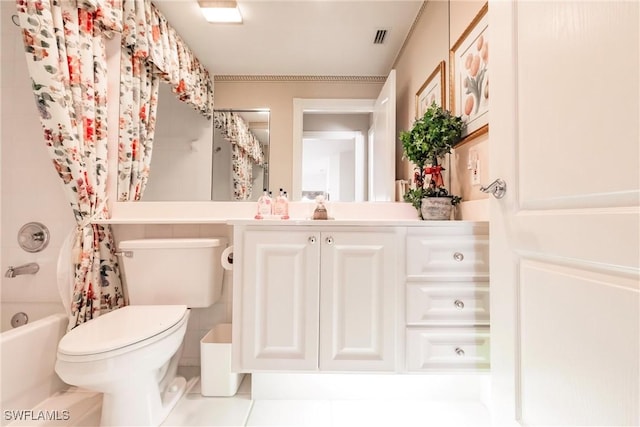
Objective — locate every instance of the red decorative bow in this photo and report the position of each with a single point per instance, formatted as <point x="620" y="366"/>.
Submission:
<point x="436" y="176"/>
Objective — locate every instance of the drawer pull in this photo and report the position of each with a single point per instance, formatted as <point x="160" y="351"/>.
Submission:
<point x="459" y="304"/>
<point x="312" y="239"/>
<point x="459" y="351"/>
<point x="458" y="256"/>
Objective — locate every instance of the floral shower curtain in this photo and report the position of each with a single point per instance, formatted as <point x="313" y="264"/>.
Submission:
<point x="138" y="106"/>
<point x="246" y="151"/>
<point x="64" y="44"/>
<point x="242" y="173"/>
<point x="139" y="84"/>
<point x="151" y="50"/>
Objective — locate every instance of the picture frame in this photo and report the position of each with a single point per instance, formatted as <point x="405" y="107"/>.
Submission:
<point x="432" y="90"/>
<point x="469" y="77"/>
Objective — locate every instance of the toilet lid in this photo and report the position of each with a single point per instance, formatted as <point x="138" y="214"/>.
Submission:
<point x="120" y="328"/>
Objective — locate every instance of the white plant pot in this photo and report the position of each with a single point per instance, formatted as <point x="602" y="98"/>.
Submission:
<point x="436" y="208"/>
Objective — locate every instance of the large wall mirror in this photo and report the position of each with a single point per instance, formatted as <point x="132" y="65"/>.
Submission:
<point x="190" y="159"/>
<point x="194" y="160"/>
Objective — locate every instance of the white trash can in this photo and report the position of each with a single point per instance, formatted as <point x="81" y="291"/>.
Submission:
<point x="216" y="377"/>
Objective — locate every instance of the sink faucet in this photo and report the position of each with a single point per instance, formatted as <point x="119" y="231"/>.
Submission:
<point x="30" y="268"/>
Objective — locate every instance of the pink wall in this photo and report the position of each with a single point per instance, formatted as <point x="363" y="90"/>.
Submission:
<point x="437" y="29"/>
<point x="423" y="51"/>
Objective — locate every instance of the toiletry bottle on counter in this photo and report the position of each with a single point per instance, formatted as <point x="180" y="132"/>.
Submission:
<point x="265" y="205"/>
<point x="286" y="199"/>
<point x="281" y="206"/>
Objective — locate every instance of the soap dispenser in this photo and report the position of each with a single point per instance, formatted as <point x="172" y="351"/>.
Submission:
<point x="281" y="207"/>
<point x="265" y="205"/>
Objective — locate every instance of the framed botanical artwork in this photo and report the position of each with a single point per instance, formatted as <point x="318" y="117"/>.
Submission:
<point x="432" y="90"/>
<point x="469" y="78"/>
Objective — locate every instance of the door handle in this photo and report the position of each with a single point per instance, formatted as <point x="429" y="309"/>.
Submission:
<point x="497" y="188"/>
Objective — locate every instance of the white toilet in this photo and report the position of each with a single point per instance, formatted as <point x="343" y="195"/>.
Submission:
<point x="131" y="354"/>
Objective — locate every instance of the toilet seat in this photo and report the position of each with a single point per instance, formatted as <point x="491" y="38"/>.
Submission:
<point x="121" y="331"/>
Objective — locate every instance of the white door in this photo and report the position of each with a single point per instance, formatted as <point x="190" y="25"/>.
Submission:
<point x="564" y="239"/>
<point x="279" y="320"/>
<point x="357" y="301"/>
<point x="382" y="173"/>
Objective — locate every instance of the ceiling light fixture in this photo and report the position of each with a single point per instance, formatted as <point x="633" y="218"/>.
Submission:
<point x="221" y="11"/>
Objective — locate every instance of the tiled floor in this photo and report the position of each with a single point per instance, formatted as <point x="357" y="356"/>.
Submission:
<point x="197" y="410"/>
<point x="238" y="411"/>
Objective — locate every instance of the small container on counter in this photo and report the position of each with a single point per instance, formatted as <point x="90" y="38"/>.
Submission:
<point x="320" y="211"/>
<point x="265" y="206"/>
<point x="281" y="207"/>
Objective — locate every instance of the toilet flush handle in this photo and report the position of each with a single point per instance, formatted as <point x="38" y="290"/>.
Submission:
<point x="128" y="254"/>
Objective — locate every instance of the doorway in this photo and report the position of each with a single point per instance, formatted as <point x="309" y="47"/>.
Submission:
<point x="334" y="165"/>
<point x="381" y="157"/>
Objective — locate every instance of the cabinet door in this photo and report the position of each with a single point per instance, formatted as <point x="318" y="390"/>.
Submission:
<point x="447" y="303"/>
<point x="280" y="300"/>
<point x="357" y="300"/>
<point x="441" y="255"/>
<point x="448" y="349"/>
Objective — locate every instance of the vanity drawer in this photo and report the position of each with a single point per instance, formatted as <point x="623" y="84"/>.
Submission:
<point x="440" y="255"/>
<point x="448" y="303"/>
<point x="448" y="349"/>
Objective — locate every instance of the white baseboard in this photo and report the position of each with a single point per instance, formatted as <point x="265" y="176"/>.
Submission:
<point x="323" y="386"/>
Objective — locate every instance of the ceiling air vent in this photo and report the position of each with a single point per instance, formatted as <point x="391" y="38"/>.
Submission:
<point x="380" y="36"/>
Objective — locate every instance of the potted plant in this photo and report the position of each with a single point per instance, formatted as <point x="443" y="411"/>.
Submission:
<point x="431" y="137"/>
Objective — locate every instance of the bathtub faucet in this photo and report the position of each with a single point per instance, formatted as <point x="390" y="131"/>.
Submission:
<point x="30" y="268"/>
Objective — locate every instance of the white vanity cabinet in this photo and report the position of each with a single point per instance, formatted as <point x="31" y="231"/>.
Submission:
<point x="310" y="298"/>
<point x="276" y="299"/>
<point x="447" y="298"/>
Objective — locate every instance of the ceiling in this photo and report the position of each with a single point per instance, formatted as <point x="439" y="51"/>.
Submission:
<point x="296" y="37"/>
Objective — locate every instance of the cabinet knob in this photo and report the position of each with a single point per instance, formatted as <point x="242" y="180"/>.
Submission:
<point x="459" y="351"/>
<point x="459" y="304"/>
<point x="329" y="240"/>
<point x="312" y="239"/>
<point x="458" y="256"/>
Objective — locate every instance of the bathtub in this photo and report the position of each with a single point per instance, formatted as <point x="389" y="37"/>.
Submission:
<point x="35" y="311"/>
<point x="27" y="357"/>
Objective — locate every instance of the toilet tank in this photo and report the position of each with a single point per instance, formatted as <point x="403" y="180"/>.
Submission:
<point x="173" y="271"/>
